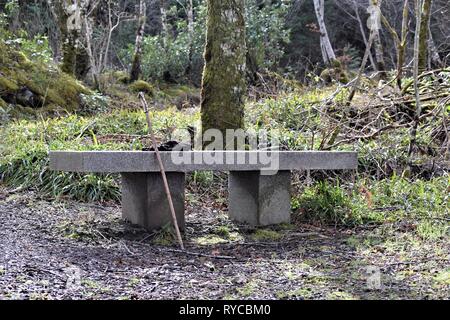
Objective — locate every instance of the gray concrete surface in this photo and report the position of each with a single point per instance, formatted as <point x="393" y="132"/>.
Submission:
<point x="126" y="161"/>
<point x="144" y="201"/>
<point x="260" y="200"/>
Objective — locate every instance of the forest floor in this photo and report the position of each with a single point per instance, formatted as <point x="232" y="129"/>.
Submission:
<point x="44" y="245"/>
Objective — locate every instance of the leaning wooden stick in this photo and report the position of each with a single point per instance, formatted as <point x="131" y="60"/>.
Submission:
<point x="163" y="171"/>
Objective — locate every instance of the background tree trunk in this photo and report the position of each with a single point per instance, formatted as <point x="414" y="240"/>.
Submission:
<point x="401" y="46"/>
<point x="224" y="84"/>
<point x="136" y="66"/>
<point x="378" y="45"/>
<point x="423" y="34"/>
<point x="190" y="18"/>
<point x="70" y="33"/>
<point x="325" y="43"/>
<point x="363" y="34"/>
<point x="164" y="25"/>
<point x="416" y="71"/>
<point x="436" y="61"/>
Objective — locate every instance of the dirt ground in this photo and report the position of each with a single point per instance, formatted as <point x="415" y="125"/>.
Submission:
<point x="70" y="250"/>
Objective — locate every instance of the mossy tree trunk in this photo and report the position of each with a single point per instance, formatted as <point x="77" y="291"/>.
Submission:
<point x="74" y="58"/>
<point x="224" y="83"/>
<point x="423" y="35"/>
<point x="401" y="45"/>
<point x="136" y="66"/>
<point x="70" y="32"/>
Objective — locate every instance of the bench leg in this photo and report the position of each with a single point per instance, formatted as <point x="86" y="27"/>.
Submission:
<point x="260" y="200"/>
<point x="144" y="201"/>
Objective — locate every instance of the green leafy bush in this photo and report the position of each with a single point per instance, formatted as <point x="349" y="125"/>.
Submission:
<point x="327" y="204"/>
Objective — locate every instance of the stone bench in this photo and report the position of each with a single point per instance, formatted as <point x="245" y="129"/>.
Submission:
<point x="258" y="193"/>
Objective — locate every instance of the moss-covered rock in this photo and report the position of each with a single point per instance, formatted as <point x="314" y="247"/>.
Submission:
<point x="122" y="77"/>
<point x="3" y="104"/>
<point x="37" y="85"/>
<point x="336" y="72"/>
<point x="6" y="85"/>
<point x="142" y="86"/>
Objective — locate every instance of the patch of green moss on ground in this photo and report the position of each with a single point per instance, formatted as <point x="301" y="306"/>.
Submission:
<point x="210" y="239"/>
<point x="302" y="293"/>
<point x="340" y="295"/>
<point x="248" y="289"/>
<point x="443" y="278"/>
<point x="142" y="86"/>
<point x="3" y="104"/>
<point x="266" y="235"/>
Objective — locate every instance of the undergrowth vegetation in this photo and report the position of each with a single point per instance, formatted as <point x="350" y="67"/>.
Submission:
<point x="385" y="201"/>
<point x="24" y="160"/>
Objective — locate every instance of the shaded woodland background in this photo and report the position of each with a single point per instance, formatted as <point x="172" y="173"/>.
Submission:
<point x="282" y="36"/>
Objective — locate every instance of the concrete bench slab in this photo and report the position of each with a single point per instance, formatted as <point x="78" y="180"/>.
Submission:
<point x="259" y="181"/>
<point x="130" y="161"/>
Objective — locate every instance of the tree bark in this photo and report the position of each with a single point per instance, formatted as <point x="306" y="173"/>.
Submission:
<point x="416" y="70"/>
<point x="190" y="18"/>
<point x="136" y="66"/>
<point x="423" y="34"/>
<point x="401" y="46"/>
<point x="363" y="33"/>
<point x="56" y="38"/>
<point x="70" y="28"/>
<point x="74" y="57"/>
<point x="164" y="25"/>
<point x="378" y="46"/>
<point x="436" y="61"/>
<point x="224" y="85"/>
<point x="325" y="43"/>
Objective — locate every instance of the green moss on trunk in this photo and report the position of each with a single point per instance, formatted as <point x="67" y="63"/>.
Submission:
<point x="224" y="84"/>
<point x="423" y="36"/>
<point x="75" y="61"/>
<point x="136" y="66"/>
